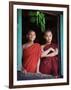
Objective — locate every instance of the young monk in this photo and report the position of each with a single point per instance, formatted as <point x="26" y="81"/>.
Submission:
<point x="49" y="64"/>
<point x="31" y="54"/>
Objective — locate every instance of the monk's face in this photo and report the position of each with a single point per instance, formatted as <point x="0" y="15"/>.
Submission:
<point x="31" y="36"/>
<point x="48" y="36"/>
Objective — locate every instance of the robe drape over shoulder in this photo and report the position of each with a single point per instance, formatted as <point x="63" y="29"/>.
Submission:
<point x="49" y="65"/>
<point x="31" y="56"/>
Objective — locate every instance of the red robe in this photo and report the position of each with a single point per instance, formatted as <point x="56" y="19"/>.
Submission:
<point x="31" y="56"/>
<point x="49" y="65"/>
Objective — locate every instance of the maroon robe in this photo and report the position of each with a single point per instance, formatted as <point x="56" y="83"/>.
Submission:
<point x="49" y="65"/>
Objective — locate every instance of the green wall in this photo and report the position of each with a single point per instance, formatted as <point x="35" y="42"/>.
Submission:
<point x="61" y="39"/>
<point x="19" y="39"/>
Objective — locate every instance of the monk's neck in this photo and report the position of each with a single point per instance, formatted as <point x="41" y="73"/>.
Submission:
<point x="48" y="42"/>
<point x="30" y="42"/>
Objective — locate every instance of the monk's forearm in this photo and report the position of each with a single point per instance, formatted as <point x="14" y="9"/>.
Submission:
<point x="47" y="51"/>
<point x="52" y="54"/>
<point x="38" y="64"/>
<point x="44" y="53"/>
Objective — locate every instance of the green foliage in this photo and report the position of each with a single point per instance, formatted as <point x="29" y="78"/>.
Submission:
<point x="38" y="18"/>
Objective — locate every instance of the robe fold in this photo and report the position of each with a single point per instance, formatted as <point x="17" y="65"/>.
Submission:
<point x="31" y="56"/>
<point x="49" y="65"/>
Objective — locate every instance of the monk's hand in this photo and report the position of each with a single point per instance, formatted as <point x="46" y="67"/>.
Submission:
<point x="52" y="49"/>
<point x="24" y="71"/>
<point x="38" y="72"/>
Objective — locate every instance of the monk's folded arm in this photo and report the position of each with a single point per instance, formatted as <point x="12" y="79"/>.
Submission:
<point x="53" y="53"/>
<point x="44" y="53"/>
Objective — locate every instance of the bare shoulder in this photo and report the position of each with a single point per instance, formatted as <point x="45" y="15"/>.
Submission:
<point x="24" y="46"/>
<point x="42" y="46"/>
